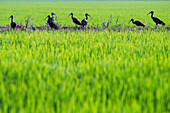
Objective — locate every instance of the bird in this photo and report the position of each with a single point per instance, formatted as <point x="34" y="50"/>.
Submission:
<point x="84" y="21"/>
<point x="33" y="28"/>
<point x="51" y="23"/>
<point x="138" y="23"/>
<point x="75" y="20"/>
<point x="13" y="24"/>
<point x="155" y="19"/>
<point x="52" y="16"/>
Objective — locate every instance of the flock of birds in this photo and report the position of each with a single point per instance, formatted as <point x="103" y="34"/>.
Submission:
<point x="84" y="22"/>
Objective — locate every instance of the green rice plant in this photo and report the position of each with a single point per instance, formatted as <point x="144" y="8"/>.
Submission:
<point x="84" y="71"/>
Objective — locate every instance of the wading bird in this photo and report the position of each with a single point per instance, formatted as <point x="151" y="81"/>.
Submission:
<point x="52" y="14"/>
<point x="155" y="19"/>
<point x="51" y="23"/>
<point x="138" y="23"/>
<point x="84" y="21"/>
<point x="51" y="18"/>
<point x="13" y="24"/>
<point x="75" y="20"/>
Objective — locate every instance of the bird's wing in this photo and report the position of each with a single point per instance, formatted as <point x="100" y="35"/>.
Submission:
<point x="157" y="20"/>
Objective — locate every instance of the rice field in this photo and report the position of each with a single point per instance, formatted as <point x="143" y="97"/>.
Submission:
<point x="80" y="71"/>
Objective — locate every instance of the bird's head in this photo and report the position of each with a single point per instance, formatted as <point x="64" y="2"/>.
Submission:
<point x="10" y="17"/>
<point x="47" y="17"/>
<point x="151" y="12"/>
<point x="54" y="14"/>
<point x="88" y="15"/>
<point x="131" y="20"/>
<point x="70" y="14"/>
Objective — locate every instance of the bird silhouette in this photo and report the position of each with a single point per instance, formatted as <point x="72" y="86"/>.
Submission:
<point x="13" y="24"/>
<point x="138" y="23"/>
<point x="84" y="22"/>
<point x="75" y="20"/>
<point x="51" y="23"/>
<point x="156" y="20"/>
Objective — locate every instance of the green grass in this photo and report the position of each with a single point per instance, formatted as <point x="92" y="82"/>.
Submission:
<point x="69" y="71"/>
<point x="100" y="11"/>
<point x="84" y="71"/>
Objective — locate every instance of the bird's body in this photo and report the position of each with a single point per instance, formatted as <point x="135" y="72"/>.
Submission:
<point x="51" y="23"/>
<point x="51" y="18"/>
<point x="75" y="20"/>
<point x="84" y="22"/>
<point x="33" y="28"/>
<point x="13" y="24"/>
<point x="156" y="20"/>
<point x="138" y="23"/>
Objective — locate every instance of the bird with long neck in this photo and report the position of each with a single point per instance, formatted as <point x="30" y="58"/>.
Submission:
<point x="138" y="23"/>
<point x="51" y="23"/>
<point x="75" y="20"/>
<point x="13" y="24"/>
<point x="155" y="19"/>
<point x="84" y="22"/>
<point x="52" y="14"/>
<point x="51" y="18"/>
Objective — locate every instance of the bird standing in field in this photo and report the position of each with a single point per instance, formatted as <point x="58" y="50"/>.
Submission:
<point x="84" y="21"/>
<point x="155" y="19"/>
<point x="51" y="23"/>
<point x="51" y="18"/>
<point x="75" y="20"/>
<point x="13" y="24"/>
<point x="52" y="14"/>
<point x="138" y="23"/>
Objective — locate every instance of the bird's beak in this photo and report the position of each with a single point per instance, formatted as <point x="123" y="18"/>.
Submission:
<point x="89" y="16"/>
<point x="69" y="15"/>
<point x="129" y="21"/>
<point x="55" y="17"/>
<point x="148" y="13"/>
<point x="9" y="17"/>
<point x="46" y="17"/>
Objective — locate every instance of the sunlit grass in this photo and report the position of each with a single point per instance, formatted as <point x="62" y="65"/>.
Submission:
<point x="68" y="71"/>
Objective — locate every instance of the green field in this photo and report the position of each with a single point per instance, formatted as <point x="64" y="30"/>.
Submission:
<point x="67" y="71"/>
<point x="100" y="11"/>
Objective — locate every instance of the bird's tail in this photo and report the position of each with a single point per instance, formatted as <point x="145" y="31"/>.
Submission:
<point x="163" y="23"/>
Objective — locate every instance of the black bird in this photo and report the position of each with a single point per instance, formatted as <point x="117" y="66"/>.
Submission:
<point x="75" y="20"/>
<point x="84" y="21"/>
<point x="51" y="23"/>
<point x="52" y="14"/>
<point x="155" y="19"/>
<point x="51" y="18"/>
<point x="138" y="23"/>
<point x="13" y="24"/>
<point x="33" y="28"/>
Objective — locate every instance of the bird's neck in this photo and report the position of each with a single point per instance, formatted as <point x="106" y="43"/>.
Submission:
<point x="132" y="21"/>
<point x="151" y="15"/>
<point x="86" y="17"/>
<point x="11" y="19"/>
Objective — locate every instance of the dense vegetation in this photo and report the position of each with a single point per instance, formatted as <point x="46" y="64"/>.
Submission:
<point x="68" y="71"/>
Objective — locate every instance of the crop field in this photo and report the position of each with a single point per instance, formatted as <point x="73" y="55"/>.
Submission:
<point x="117" y="69"/>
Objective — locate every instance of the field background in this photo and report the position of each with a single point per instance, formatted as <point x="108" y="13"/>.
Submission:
<point x="85" y="71"/>
<point x="100" y="11"/>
